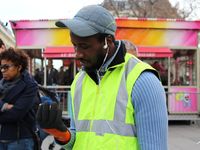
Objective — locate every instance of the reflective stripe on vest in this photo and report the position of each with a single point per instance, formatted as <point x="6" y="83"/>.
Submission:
<point x="104" y="114"/>
<point x="107" y="126"/>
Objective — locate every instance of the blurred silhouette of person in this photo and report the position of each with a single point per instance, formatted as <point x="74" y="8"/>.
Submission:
<point x="130" y="47"/>
<point x="52" y="73"/>
<point x="62" y="76"/>
<point x="2" y="47"/>
<point x="71" y="73"/>
<point x="162" y="71"/>
<point x="39" y="76"/>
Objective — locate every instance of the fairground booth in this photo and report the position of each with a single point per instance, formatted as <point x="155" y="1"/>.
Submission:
<point x="170" y="46"/>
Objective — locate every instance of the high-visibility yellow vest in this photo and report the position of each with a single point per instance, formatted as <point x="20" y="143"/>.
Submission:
<point x="104" y="114"/>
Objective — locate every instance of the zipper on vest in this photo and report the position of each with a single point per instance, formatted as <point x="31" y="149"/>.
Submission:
<point x="98" y="77"/>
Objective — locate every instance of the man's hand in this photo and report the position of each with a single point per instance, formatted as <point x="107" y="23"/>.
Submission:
<point x="49" y="117"/>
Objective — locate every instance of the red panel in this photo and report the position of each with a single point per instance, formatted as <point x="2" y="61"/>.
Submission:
<point x="154" y="52"/>
<point x="59" y="52"/>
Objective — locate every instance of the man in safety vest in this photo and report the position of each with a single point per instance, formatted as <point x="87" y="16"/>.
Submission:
<point x="118" y="101"/>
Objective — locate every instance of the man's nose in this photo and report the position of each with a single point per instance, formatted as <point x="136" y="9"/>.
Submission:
<point x="78" y="54"/>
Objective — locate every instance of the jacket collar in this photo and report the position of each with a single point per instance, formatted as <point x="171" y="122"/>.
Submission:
<point x="117" y="58"/>
<point x="120" y="55"/>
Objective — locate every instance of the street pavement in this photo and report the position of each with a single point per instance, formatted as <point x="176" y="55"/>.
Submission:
<point x="182" y="136"/>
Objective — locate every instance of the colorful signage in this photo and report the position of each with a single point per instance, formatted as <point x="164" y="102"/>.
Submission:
<point x="158" y="33"/>
<point x="182" y="100"/>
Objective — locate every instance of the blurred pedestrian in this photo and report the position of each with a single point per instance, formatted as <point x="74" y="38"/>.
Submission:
<point x="130" y="47"/>
<point x="62" y="76"/>
<point x="52" y="73"/>
<point x="2" y="48"/>
<point x="39" y="75"/>
<point x="18" y="91"/>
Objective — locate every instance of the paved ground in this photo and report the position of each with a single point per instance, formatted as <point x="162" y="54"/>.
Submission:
<point x="182" y="136"/>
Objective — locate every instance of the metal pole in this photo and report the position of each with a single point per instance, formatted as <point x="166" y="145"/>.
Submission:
<point x="198" y="70"/>
<point x="45" y="70"/>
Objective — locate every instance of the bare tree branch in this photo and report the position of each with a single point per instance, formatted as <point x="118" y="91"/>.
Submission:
<point x="142" y="8"/>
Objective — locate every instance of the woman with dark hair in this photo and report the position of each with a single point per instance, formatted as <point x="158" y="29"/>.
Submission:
<point x="18" y="92"/>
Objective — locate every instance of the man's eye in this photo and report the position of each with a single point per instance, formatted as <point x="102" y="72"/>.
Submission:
<point x="82" y="47"/>
<point x="85" y="47"/>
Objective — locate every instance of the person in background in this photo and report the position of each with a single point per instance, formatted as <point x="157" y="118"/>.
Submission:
<point x="2" y="48"/>
<point x="62" y="76"/>
<point x="130" y="47"/>
<point x="18" y="91"/>
<point x="39" y="76"/>
<point x="52" y="73"/>
<point x="162" y="71"/>
<point x="62" y="80"/>
<point x="118" y="101"/>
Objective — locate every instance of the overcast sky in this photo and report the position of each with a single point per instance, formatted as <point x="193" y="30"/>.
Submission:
<point x="44" y="9"/>
<point x="41" y="9"/>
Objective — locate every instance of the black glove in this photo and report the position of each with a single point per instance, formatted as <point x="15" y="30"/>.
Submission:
<point x="49" y="116"/>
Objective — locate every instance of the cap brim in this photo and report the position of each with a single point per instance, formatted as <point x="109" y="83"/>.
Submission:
<point x="60" y="24"/>
<point x="78" y="27"/>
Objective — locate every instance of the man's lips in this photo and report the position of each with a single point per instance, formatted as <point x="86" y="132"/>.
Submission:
<point x="82" y="61"/>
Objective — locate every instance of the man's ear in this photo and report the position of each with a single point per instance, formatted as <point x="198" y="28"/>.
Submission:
<point x="105" y="44"/>
<point x="109" y="40"/>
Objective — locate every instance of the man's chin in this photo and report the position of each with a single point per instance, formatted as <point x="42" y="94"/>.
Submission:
<point x="89" y="68"/>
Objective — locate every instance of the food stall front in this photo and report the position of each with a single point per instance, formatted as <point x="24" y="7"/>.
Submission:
<point x="159" y="58"/>
<point x="170" y="45"/>
<point x="53" y="43"/>
<point x="179" y="67"/>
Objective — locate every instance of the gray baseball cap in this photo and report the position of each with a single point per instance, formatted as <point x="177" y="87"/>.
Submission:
<point x="90" y="20"/>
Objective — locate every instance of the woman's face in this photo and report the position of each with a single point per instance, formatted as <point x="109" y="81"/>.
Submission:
<point x="9" y="70"/>
<point x="89" y="51"/>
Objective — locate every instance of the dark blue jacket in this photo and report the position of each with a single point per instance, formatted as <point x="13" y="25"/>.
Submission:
<point x="23" y="97"/>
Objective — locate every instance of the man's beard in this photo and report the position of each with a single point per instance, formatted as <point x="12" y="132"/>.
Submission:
<point x="98" y="63"/>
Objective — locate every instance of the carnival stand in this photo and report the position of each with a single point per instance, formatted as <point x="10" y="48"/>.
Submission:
<point x="170" y="46"/>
